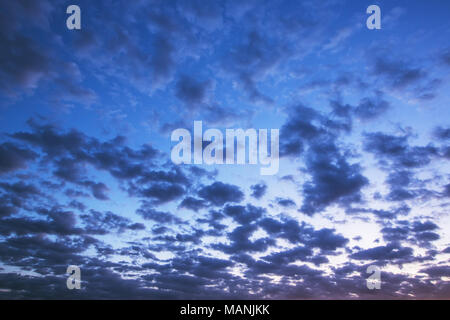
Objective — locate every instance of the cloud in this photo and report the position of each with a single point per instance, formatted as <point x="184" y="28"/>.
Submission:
<point x="70" y="151"/>
<point x="397" y="149"/>
<point x="239" y="241"/>
<point x="289" y="229"/>
<point x="446" y="57"/>
<point x="398" y="73"/>
<point x="447" y="190"/>
<point x="220" y="193"/>
<point x="442" y="133"/>
<point x="161" y="193"/>
<point x="424" y="226"/>
<point x="400" y="159"/>
<point x="333" y="179"/>
<point x="20" y="189"/>
<point x="326" y="240"/>
<point x="401" y="74"/>
<point x="392" y="252"/>
<point x="99" y="190"/>
<point x="258" y="190"/>
<point x="13" y="157"/>
<point x="244" y="215"/>
<point x="389" y="214"/>
<point x="437" y="271"/>
<point x="149" y="213"/>
<point x="371" y="108"/>
<point x="286" y="203"/>
<point x="22" y="64"/>
<point x="57" y="223"/>
<point x="301" y="126"/>
<point x="417" y="232"/>
<point x="96" y="222"/>
<point x="193" y="204"/>
<point x="190" y="90"/>
<point x="252" y="60"/>
<point x="289" y="256"/>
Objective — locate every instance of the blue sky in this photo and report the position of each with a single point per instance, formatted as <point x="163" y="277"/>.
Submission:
<point x="86" y="176"/>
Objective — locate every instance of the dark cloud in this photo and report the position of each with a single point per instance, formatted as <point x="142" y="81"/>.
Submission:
<point x="397" y="150"/>
<point x="398" y="73"/>
<point x="291" y="271"/>
<point x="147" y="68"/>
<point x="13" y="157"/>
<point x="416" y="232"/>
<point x="367" y="109"/>
<point x="333" y="179"/>
<point x="400" y="159"/>
<point x="96" y="222"/>
<point x="99" y="190"/>
<point x="392" y="252"/>
<point x="250" y="61"/>
<point x="214" y="219"/>
<point x="44" y="255"/>
<point x="26" y="65"/>
<point x="149" y="213"/>
<point x="190" y="90"/>
<point x="371" y="108"/>
<point x="446" y="57"/>
<point x="207" y="15"/>
<point x="77" y="205"/>
<point x="427" y="236"/>
<point x="182" y="238"/>
<point x="289" y="229"/>
<point x="162" y="192"/>
<point x="193" y="204"/>
<point x="286" y="202"/>
<point x="289" y="256"/>
<point x="424" y="226"/>
<point x="7" y="210"/>
<point x="258" y="190"/>
<point x="401" y="74"/>
<point x="392" y="213"/>
<point x="442" y="133"/>
<point x="22" y="63"/>
<point x="162" y="62"/>
<point x="326" y="240"/>
<point x="401" y="194"/>
<point x="71" y="150"/>
<point x="447" y="190"/>
<point x="220" y="193"/>
<point x="437" y="271"/>
<point x="20" y="189"/>
<point x="57" y="223"/>
<point x="395" y="233"/>
<point x="302" y="125"/>
<point x="240" y="242"/>
<point x="244" y="215"/>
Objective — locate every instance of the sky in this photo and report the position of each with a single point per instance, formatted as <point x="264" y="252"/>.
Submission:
<point x="87" y="179"/>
